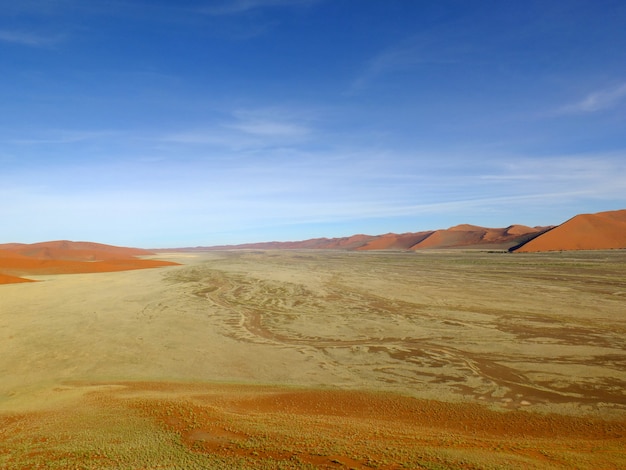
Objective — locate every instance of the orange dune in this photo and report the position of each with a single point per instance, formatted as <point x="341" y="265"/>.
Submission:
<point x="450" y="238"/>
<point x="65" y="257"/>
<point x="521" y="229"/>
<point x="601" y="231"/>
<point x="459" y="236"/>
<point x="466" y="228"/>
<point x="6" y="279"/>
<point x="345" y="243"/>
<point x="392" y="241"/>
<point x="472" y="236"/>
<point x="67" y="250"/>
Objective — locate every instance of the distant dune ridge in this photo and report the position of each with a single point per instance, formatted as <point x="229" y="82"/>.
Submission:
<point x="600" y="231"/>
<point x="73" y="251"/>
<point x="67" y="257"/>
<point x="459" y="236"/>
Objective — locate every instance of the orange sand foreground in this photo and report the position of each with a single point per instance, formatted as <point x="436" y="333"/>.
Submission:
<point x="18" y="261"/>
<point x="239" y="426"/>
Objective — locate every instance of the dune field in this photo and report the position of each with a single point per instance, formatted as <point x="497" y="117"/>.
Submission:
<point x="319" y="359"/>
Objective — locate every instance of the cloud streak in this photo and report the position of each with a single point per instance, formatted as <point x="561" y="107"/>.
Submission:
<point x="270" y="123"/>
<point x="63" y="137"/>
<point x="389" y="61"/>
<point x="239" y="195"/>
<point x="234" y="7"/>
<point x="29" y="39"/>
<point x="250" y="129"/>
<point x="599" y="100"/>
<point x="425" y="49"/>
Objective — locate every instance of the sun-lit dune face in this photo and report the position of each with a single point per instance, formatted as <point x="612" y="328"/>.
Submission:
<point x="393" y="241"/>
<point x="450" y="239"/>
<point x="67" y="250"/>
<point x="466" y="228"/>
<point x="6" y="279"/>
<point x="18" y="261"/>
<point x="604" y="230"/>
<point x="348" y="242"/>
<point x="520" y="230"/>
<point x="466" y="236"/>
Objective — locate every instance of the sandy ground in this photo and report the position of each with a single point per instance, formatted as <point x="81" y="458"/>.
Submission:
<point x="491" y="336"/>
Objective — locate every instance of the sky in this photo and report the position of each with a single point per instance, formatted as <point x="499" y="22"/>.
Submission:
<point x="180" y="123"/>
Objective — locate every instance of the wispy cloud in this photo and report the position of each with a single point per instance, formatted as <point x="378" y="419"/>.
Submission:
<point x="271" y="128"/>
<point x="61" y="137"/>
<point x="413" y="52"/>
<point x="233" y="7"/>
<point x="241" y="192"/>
<point x="249" y="129"/>
<point x="270" y="123"/>
<point x="391" y="60"/>
<point x="29" y="38"/>
<point x="597" y="101"/>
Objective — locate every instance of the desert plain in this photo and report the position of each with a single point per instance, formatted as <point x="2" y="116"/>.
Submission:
<point x="319" y="359"/>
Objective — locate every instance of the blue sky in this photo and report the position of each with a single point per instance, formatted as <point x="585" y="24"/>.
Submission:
<point x="184" y="123"/>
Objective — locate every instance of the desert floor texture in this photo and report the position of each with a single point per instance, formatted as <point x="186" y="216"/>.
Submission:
<point x="319" y="359"/>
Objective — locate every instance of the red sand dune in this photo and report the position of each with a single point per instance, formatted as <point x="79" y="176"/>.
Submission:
<point x="460" y="236"/>
<point x="393" y="241"/>
<point x="6" y="279"/>
<point x="345" y="243"/>
<point x="604" y="230"/>
<point x="67" y="250"/>
<point x="472" y="236"/>
<point x="600" y="231"/>
<point x="520" y="229"/>
<point x="450" y="238"/>
<point x="65" y="257"/>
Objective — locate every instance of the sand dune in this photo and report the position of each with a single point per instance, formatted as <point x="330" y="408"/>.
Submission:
<point x="459" y="236"/>
<point x="451" y="238"/>
<point x="393" y="241"/>
<point x="473" y="236"/>
<point x="6" y="279"/>
<point x="68" y="250"/>
<point x="604" y="230"/>
<point x="521" y="229"/>
<point x="65" y="257"/>
<point x="601" y="231"/>
<point x="345" y="243"/>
